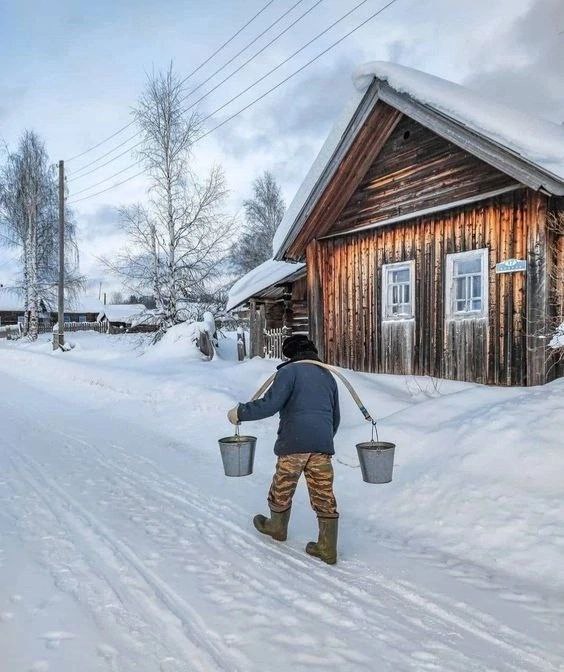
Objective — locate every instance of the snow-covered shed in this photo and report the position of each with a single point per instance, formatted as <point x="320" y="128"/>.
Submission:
<point x="274" y="294"/>
<point x="81" y="309"/>
<point x="77" y="309"/>
<point x="121" y="315"/>
<point x="12" y="307"/>
<point x="425" y="222"/>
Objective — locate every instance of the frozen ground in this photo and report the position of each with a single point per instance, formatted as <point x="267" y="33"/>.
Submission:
<point x="123" y="548"/>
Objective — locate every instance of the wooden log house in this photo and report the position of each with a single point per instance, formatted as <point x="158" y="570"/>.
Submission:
<point x="425" y="224"/>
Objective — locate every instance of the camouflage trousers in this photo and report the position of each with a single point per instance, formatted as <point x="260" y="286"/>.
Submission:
<point x="318" y="472"/>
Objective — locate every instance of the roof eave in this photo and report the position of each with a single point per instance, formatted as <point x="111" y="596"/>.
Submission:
<point x="296" y="275"/>
<point x="361" y="114"/>
<point x="499" y="156"/>
<point x="483" y="148"/>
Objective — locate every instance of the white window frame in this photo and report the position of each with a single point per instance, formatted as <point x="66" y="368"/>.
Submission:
<point x="387" y="315"/>
<point x="450" y="296"/>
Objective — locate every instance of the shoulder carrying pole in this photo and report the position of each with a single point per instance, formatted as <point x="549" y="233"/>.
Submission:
<point x="262" y="389"/>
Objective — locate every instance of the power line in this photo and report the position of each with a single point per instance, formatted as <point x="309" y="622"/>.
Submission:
<point x="199" y="67"/>
<point x="262" y="78"/>
<point x="255" y="55"/>
<point x="250" y="44"/>
<point x="282" y="63"/>
<point x="296" y="72"/>
<point x="253" y="102"/>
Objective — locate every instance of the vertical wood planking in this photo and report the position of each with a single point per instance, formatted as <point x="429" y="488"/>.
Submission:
<point x="492" y="351"/>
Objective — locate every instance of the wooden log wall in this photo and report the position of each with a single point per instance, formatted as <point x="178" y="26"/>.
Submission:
<point x="344" y="286"/>
<point x="300" y="317"/>
<point x="417" y="169"/>
<point x="316" y="277"/>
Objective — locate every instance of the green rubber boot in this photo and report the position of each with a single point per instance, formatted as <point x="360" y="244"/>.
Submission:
<point x="276" y="526"/>
<point x="326" y="547"/>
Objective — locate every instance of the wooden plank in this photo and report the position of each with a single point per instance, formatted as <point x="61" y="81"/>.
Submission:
<point x="537" y="289"/>
<point x="414" y="173"/>
<point x="487" y="352"/>
<point x="360" y="155"/>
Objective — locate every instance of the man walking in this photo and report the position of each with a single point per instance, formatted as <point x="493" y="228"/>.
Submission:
<point x="307" y="399"/>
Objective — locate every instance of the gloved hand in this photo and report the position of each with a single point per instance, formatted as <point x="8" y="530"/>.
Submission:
<point x="233" y="416"/>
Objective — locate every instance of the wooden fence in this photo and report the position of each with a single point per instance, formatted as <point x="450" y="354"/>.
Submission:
<point x="75" y="326"/>
<point x="273" y="339"/>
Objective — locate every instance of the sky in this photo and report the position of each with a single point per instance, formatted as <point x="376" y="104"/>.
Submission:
<point x="72" y="71"/>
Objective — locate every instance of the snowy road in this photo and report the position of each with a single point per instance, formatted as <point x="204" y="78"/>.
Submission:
<point x="130" y="563"/>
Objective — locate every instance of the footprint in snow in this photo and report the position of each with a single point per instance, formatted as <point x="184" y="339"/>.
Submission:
<point x="54" y="638"/>
<point x="6" y="616"/>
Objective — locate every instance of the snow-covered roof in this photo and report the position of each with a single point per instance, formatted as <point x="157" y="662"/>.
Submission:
<point x="534" y="140"/>
<point x="122" y="312"/>
<point x="316" y="170"/>
<point x="10" y="300"/>
<point x="84" y="304"/>
<point x="269" y="273"/>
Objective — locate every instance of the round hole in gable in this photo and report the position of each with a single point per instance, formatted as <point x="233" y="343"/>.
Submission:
<point x="406" y="135"/>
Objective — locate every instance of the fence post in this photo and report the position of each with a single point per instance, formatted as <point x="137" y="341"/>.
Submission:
<point x="241" y="346"/>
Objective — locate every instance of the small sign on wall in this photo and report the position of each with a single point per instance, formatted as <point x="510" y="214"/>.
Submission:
<point x="511" y="266"/>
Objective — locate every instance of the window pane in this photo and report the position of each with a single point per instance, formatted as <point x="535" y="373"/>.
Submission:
<point x="461" y="288"/>
<point x="477" y="304"/>
<point x="477" y="286"/>
<point x="460" y="305"/>
<point x="405" y="297"/>
<point x="401" y="275"/>
<point x="466" y="266"/>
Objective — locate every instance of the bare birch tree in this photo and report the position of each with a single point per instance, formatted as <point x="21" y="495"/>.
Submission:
<point x="176" y="240"/>
<point x="29" y="219"/>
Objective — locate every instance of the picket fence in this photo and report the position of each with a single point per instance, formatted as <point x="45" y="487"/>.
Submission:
<point x="273" y="339"/>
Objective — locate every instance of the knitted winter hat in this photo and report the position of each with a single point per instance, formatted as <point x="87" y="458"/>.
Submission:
<point x="298" y="344"/>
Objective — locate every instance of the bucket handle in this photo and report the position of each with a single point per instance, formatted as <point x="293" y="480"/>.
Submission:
<point x="374" y="429"/>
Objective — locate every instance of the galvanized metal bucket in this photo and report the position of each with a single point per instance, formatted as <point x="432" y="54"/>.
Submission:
<point x="238" y="454"/>
<point x="376" y="461"/>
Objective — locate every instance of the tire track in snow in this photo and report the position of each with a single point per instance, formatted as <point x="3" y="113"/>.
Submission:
<point x="195" y="642"/>
<point x="519" y="647"/>
<point x="340" y="578"/>
<point x="303" y="573"/>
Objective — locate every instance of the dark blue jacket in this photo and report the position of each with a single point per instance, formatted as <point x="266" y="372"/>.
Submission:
<point x="307" y="399"/>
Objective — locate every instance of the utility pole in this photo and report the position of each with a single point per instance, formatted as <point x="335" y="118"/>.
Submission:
<point x="60" y="335"/>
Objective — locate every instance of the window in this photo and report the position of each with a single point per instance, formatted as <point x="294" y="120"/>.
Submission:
<point x="82" y="318"/>
<point x="467" y="284"/>
<point x="397" y="291"/>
